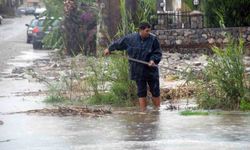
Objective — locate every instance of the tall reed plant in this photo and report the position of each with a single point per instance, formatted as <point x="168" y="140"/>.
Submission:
<point x="224" y="85"/>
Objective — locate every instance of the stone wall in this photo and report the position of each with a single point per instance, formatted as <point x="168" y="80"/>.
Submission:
<point x="199" y="40"/>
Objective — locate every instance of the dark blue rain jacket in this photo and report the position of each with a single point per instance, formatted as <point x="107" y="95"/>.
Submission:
<point x="141" y="49"/>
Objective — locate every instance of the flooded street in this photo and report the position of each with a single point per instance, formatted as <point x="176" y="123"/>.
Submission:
<point x="167" y="130"/>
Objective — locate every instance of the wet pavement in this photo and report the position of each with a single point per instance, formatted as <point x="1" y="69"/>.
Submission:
<point x="166" y="130"/>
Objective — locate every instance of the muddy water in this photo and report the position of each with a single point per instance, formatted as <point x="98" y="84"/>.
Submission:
<point x="168" y="130"/>
<point x="151" y="131"/>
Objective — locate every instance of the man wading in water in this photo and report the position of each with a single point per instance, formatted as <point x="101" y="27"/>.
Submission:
<point x="142" y="46"/>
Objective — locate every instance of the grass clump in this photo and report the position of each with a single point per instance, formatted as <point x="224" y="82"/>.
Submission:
<point x="55" y="99"/>
<point x="55" y="94"/>
<point x="110" y="82"/>
<point x="244" y="105"/>
<point x="194" y="113"/>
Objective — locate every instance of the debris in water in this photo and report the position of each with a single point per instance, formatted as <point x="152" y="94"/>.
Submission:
<point x="5" y="141"/>
<point x="68" y="111"/>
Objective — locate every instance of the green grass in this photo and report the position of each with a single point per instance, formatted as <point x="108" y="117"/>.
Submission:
<point x="108" y="99"/>
<point x="194" y="113"/>
<point x="55" y="99"/>
<point x="245" y="105"/>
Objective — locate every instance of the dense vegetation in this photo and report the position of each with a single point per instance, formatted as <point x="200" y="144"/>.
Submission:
<point x="235" y="12"/>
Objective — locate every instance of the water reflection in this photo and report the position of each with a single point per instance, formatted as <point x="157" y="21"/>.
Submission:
<point x="140" y="128"/>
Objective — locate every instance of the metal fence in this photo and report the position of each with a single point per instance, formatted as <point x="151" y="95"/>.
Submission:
<point x="174" y="20"/>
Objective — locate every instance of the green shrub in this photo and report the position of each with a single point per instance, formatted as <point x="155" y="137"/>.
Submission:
<point x="224" y="83"/>
<point x="235" y="12"/>
<point x="111" y="71"/>
<point x="245" y="105"/>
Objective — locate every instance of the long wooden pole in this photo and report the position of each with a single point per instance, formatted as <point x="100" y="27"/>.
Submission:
<point x="146" y="63"/>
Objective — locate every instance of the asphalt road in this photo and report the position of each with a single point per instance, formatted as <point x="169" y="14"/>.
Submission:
<point x="13" y="39"/>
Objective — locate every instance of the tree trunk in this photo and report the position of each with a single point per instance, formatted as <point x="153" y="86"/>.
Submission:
<point x="71" y="28"/>
<point x="111" y="14"/>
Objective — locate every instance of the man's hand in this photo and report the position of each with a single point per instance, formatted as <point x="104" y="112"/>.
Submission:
<point x="106" y="52"/>
<point x="152" y="64"/>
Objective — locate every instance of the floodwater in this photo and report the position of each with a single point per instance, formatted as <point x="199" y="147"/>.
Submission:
<point x="163" y="131"/>
<point x="167" y="130"/>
